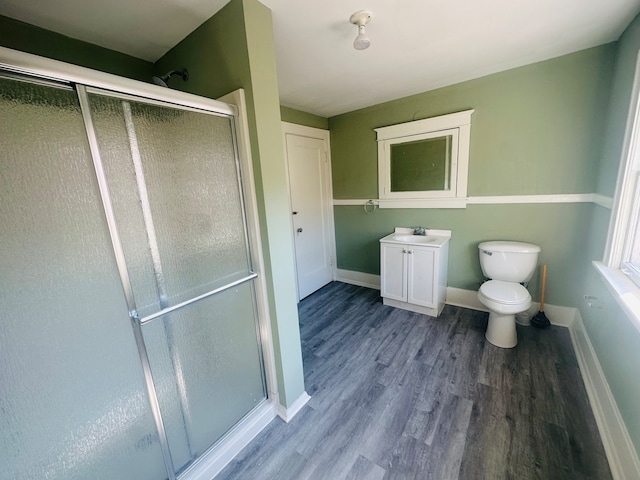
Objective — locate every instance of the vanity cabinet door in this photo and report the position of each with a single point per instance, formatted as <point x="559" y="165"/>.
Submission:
<point x="393" y="272"/>
<point x="421" y="271"/>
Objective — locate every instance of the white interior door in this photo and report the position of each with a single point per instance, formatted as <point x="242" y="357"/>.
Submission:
<point x="307" y="153"/>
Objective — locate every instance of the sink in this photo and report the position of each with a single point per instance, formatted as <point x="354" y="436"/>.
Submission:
<point x="415" y="238"/>
<point x="432" y="239"/>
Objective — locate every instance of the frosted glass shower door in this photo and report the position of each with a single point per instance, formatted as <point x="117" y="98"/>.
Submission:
<point x="176" y="195"/>
<point x="73" y="404"/>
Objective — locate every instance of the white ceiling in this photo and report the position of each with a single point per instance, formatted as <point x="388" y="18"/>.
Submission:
<point x="416" y="45"/>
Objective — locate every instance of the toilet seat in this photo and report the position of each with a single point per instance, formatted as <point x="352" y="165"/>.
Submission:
<point x="505" y="293"/>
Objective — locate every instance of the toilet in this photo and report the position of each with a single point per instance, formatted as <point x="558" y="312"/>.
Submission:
<point x="506" y="265"/>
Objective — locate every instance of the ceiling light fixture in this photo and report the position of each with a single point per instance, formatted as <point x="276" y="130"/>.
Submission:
<point x="360" y="19"/>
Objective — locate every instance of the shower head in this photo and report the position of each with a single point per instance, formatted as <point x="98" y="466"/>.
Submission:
<point x="163" y="81"/>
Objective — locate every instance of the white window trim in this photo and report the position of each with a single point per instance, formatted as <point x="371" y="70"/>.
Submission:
<point x="443" y="125"/>
<point x="624" y="214"/>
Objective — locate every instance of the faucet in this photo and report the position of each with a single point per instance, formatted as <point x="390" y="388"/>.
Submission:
<point x="419" y="231"/>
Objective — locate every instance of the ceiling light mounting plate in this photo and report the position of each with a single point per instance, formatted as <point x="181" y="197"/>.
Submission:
<point x="361" y="18"/>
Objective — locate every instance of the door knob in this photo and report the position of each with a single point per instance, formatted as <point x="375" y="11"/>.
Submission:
<point x="299" y="230"/>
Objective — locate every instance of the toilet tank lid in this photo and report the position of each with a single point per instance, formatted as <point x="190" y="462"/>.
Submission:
<point x="508" y="246"/>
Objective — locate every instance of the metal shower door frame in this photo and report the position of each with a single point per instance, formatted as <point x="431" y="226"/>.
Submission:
<point x="136" y="322"/>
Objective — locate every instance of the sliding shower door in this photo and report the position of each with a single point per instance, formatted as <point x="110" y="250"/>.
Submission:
<point x="175" y="190"/>
<point x="72" y="394"/>
<point x="120" y="212"/>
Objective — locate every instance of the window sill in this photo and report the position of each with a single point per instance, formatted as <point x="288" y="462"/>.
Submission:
<point x="626" y="293"/>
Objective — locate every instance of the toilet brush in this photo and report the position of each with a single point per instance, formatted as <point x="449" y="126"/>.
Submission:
<point x="540" y="320"/>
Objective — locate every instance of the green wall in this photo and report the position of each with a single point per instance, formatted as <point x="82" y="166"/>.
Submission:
<point x="536" y="130"/>
<point x="559" y="229"/>
<point x="216" y="54"/>
<point x="262" y="60"/>
<point x="614" y="337"/>
<point x="235" y="49"/>
<point x="303" y="118"/>
<point x="627" y="53"/>
<point x="28" y="38"/>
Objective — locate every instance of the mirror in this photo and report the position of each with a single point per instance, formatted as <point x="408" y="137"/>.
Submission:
<point x="424" y="163"/>
<point x="421" y="165"/>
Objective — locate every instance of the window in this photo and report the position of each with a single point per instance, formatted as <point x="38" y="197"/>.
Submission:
<point x="621" y="266"/>
<point x="424" y="163"/>
<point x="623" y="247"/>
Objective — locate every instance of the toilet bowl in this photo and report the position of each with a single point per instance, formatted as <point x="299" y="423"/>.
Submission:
<point x="506" y="264"/>
<point x="503" y="300"/>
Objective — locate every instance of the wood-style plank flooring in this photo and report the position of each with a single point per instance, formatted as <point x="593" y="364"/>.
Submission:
<point x="399" y="395"/>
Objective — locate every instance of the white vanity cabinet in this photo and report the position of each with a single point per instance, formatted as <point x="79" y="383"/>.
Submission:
<point x="414" y="270"/>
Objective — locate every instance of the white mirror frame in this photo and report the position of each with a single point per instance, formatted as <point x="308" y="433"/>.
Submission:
<point x="458" y="124"/>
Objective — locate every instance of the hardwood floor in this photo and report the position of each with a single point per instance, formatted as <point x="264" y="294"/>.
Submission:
<point x="399" y="395"/>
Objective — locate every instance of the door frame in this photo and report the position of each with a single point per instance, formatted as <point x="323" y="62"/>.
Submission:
<point x="327" y="186"/>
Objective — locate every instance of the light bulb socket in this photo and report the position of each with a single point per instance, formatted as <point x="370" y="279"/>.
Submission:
<point x="361" y="18"/>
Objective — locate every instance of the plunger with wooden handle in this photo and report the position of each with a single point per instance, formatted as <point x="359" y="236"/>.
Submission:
<point x="540" y="320"/>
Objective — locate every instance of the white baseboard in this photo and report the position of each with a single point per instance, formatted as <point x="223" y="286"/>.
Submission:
<point x="460" y="297"/>
<point x="622" y="456"/>
<point x="287" y="414"/>
<point x="213" y="461"/>
<point x="358" y="278"/>
<point x="557" y="315"/>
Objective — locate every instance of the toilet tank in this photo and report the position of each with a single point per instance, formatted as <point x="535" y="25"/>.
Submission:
<point x="508" y="261"/>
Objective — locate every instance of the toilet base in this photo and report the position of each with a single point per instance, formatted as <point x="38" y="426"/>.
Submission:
<point x="501" y="330"/>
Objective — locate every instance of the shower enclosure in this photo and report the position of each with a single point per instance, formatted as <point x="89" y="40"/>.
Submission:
<point x="129" y="333"/>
